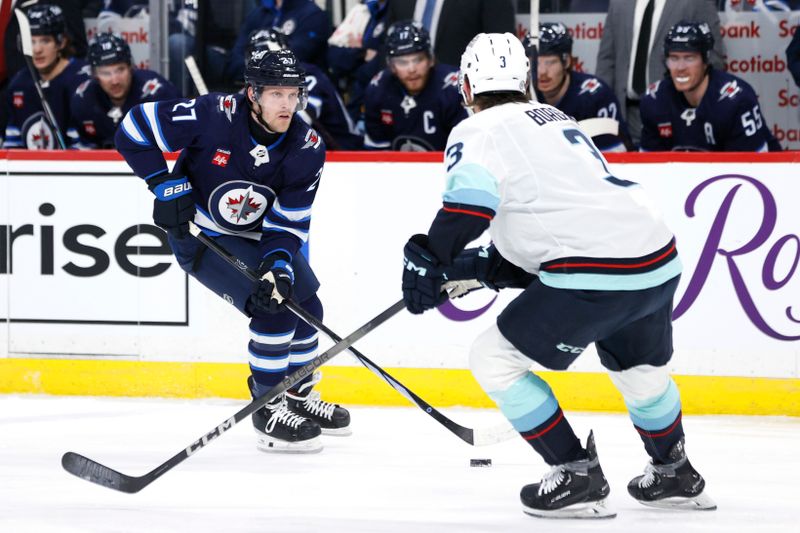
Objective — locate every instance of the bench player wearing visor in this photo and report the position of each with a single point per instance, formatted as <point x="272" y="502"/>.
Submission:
<point x="247" y="175"/>
<point x="597" y="264"/>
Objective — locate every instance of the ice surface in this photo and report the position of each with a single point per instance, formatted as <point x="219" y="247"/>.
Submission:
<point x="399" y="472"/>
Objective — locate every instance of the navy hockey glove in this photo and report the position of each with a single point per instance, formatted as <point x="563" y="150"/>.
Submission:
<point x="422" y="277"/>
<point x="486" y="265"/>
<point x="275" y="285"/>
<point x="173" y="206"/>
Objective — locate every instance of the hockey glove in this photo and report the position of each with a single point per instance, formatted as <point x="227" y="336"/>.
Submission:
<point x="486" y="265"/>
<point x="422" y="277"/>
<point x="173" y="206"/>
<point x="275" y="284"/>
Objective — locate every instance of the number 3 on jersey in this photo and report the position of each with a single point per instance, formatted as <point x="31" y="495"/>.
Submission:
<point x="577" y="137"/>
<point x="453" y="154"/>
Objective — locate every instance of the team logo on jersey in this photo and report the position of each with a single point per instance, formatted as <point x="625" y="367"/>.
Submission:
<point x="410" y="143"/>
<point x="312" y="140"/>
<point x="665" y="129"/>
<point x="387" y="117"/>
<point x="19" y="99"/>
<point x="221" y="158"/>
<point x="260" y="155"/>
<point x="379" y="27"/>
<point x="227" y="104"/>
<point x="729" y="90"/>
<point x="88" y="127"/>
<point x="688" y="115"/>
<point x="239" y="205"/>
<point x="115" y="114"/>
<point x="376" y="79"/>
<point x="288" y="27"/>
<point x="589" y="86"/>
<point x="150" y="87"/>
<point x="82" y="88"/>
<point x="408" y="104"/>
<point x="86" y="70"/>
<point x="38" y="133"/>
<point x="652" y="89"/>
<point x="450" y="80"/>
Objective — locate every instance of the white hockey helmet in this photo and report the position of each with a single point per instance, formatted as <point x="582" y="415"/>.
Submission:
<point x="494" y="62"/>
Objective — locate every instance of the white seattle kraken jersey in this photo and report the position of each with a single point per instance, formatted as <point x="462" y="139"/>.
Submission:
<point x="559" y="212"/>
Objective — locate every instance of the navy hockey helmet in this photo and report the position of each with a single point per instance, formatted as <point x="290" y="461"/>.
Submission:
<point x="687" y="36"/>
<point x="268" y="68"/>
<point x="407" y="37"/>
<point x="267" y="39"/>
<point x="108" y="49"/>
<point x="46" y="19"/>
<point x="554" y="39"/>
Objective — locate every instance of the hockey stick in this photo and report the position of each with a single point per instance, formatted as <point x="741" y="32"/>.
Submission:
<point x="27" y="51"/>
<point x="197" y="78"/>
<point x="534" y="57"/>
<point x="474" y="437"/>
<point x="94" y="472"/>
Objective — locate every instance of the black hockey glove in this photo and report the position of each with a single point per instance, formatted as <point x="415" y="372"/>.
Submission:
<point x="486" y="265"/>
<point x="422" y="277"/>
<point x="173" y="206"/>
<point x="275" y="285"/>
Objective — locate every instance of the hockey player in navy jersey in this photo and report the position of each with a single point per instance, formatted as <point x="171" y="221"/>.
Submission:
<point x="248" y="173"/>
<point x="581" y="96"/>
<point x="60" y="75"/>
<point x="100" y="103"/>
<point x="698" y="108"/>
<point x="326" y="111"/>
<point x="597" y="264"/>
<point x="413" y="103"/>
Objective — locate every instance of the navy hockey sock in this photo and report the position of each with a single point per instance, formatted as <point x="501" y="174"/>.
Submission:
<point x="658" y="442"/>
<point x="555" y="441"/>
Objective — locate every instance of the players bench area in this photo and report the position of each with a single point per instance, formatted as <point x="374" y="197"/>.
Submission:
<point x="91" y="302"/>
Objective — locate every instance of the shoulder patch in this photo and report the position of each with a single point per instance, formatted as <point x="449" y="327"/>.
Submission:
<point x="729" y="90"/>
<point x="227" y="105"/>
<point x="376" y="79"/>
<point x="312" y="140"/>
<point x="82" y="88"/>
<point x="652" y="89"/>
<point x="450" y="80"/>
<point x="590" y="86"/>
<point x="150" y="87"/>
<point x="86" y="69"/>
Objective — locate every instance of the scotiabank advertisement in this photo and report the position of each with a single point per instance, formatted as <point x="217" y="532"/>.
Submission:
<point x="755" y="44"/>
<point x="86" y="274"/>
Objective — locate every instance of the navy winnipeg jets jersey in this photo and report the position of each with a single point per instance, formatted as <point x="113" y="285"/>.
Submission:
<point x="27" y="126"/>
<point x="589" y="97"/>
<point x="95" y="118"/>
<point x="728" y="118"/>
<point x="326" y="111"/>
<point x="395" y="120"/>
<point x="239" y="186"/>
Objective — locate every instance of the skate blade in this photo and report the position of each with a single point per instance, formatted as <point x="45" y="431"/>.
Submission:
<point x="588" y="510"/>
<point x="269" y="445"/>
<point x="337" y="432"/>
<point x="701" y="502"/>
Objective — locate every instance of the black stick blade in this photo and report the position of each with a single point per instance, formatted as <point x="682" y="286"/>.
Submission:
<point x="94" y="472"/>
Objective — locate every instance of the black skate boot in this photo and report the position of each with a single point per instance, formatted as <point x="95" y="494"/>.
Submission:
<point x="672" y="486"/>
<point x="332" y="418"/>
<point x="281" y="430"/>
<point x="571" y="490"/>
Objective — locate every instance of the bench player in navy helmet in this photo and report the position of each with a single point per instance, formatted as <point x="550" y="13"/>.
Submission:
<point x="247" y="174"/>
<point x="413" y="103"/>
<point x="60" y="75"/>
<point x="99" y="104"/>
<point x="698" y="108"/>
<point x="597" y="264"/>
<point x="581" y="96"/>
<point x="326" y="111"/>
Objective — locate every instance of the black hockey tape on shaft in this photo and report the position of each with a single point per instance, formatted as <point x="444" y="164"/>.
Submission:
<point x="480" y="462"/>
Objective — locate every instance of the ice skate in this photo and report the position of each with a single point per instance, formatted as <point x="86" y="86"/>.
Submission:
<point x="672" y="486"/>
<point x="332" y="418"/>
<point x="570" y="490"/>
<point x="281" y="430"/>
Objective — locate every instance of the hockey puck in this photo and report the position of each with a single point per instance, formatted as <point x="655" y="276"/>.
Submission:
<point x="480" y="462"/>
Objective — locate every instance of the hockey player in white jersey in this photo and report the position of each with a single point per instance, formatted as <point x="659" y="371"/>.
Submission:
<point x="601" y="267"/>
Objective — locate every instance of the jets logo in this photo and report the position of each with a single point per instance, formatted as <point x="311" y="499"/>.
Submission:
<point x="312" y="140"/>
<point x="227" y="105"/>
<point x="38" y="133"/>
<point x="729" y="90"/>
<point x="82" y="88"/>
<point x="150" y="87"/>
<point x="652" y="89"/>
<point x="376" y="79"/>
<point x="589" y="86"/>
<point x="239" y="205"/>
<point x="450" y="80"/>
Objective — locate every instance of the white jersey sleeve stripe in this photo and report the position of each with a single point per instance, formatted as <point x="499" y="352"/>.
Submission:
<point x="150" y="110"/>
<point x="132" y="130"/>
